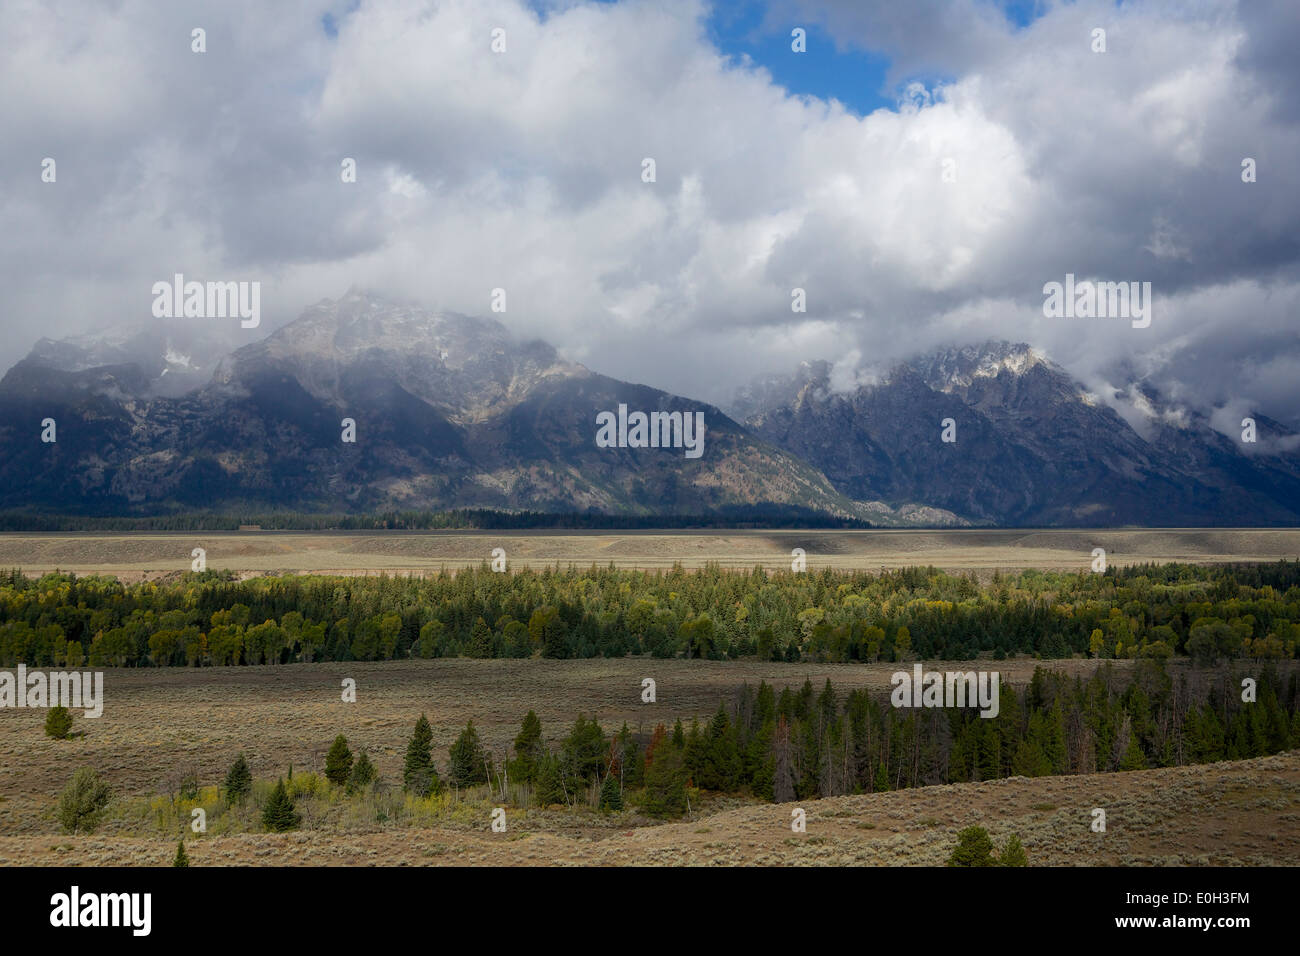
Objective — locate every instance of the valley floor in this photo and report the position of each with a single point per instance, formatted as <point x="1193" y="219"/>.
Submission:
<point x="139" y="556"/>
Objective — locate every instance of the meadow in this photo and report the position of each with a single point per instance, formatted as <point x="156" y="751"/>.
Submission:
<point x="161" y="723"/>
<point x="149" y="555"/>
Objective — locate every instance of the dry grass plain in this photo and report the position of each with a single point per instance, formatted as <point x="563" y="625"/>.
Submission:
<point x="147" y="555"/>
<point x="157" y="722"/>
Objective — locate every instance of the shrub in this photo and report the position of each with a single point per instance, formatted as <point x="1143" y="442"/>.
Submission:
<point x="1013" y="854"/>
<point x="81" y="805"/>
<point x="58" y="723"/>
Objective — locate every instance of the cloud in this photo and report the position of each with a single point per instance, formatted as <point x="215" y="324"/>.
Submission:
<point x="522" y="170"/>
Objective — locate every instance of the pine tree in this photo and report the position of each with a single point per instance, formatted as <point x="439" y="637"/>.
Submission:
<point x="1030" y="761"/>
<point x="629" y="758"/>
<point x="419" y="775"/>
<point x="974" y="848"/>
<point x="528" y="749"/>
<point x="1133" y="758"/>
<point x="1054" y="747"/>
<point x="480" y="640"/>
<point x="584" y="750"/>
<point x="278" y="815"/>
<point x="467" y="763"/>
<point x="611" y="795"/>
<point x="239" y="780"/>
<point x="1013" y="854"/>
<point x="760" y="761"/>
<point x="720" y="764"/>
<point x="665" y="784"/>
<point x="338" y="762"/>
<point x="363" y="773"/>
<point x="990" y="750"/>
<point x="58" y="723"/>
<point x="782" y="763"/>
<point x="881" y="783"/>
<point x="181" y="858"/>
<point x="694" y="753"/>
<point x="549" y="788"/>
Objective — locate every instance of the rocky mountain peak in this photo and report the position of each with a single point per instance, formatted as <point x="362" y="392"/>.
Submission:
<point x="961" y="367"/>
<point x="464" y="366"/>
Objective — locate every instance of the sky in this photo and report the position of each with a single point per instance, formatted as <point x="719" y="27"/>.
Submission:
<point x="822" y="170"/>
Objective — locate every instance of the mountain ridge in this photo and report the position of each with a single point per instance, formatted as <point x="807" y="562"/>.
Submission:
<point x="451" y="411"/>
<point x="1042" y="449"/>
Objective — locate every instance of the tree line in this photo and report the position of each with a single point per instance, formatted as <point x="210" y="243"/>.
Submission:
<point x="732" y="516"/>
<point x="810" y="743"/>
<point x="1156" y="611"/>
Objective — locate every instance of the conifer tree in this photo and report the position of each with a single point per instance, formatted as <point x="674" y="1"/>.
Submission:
<point x="694" y="752"/>
<point x="467" y="762"/>
<point x="480" y="640"/>
<point x="974" y="848"/>
<point x="528" y="749"/>
<point x="719" y="767"/>
<point x="363" y="773"/>
<point x="1030" y="761"/>
<point x="279" y="816"/>
<point x="239" y="780"/>
<point x="181" y="858"/>
<point x="611" y="795"/>
<point x="584" y="749"/>
<point x="665" y="784"/>
<point x="419" y="775"/>
<point x="1133" y="758"/>
<point x="549" y="788"/>
<point x="629" y="758"/>
<point x="881" y="783"/>
<point x="338" y="762"/>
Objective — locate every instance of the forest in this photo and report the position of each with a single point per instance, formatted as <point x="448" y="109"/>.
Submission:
<point x="810" y="743"/>
<point x="1208" y="613"/>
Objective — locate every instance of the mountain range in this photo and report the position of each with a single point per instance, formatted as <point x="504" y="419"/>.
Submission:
<point x="452" y="411"/>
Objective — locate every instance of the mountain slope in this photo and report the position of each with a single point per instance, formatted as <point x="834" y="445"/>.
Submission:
<point x="449" y="412"/>
<point x="1032" y="447"/>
